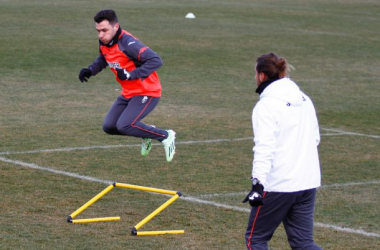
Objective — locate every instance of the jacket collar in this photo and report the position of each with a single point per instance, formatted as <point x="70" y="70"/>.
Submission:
<point x="263" y="85"/>
<point x="114" y="40"/>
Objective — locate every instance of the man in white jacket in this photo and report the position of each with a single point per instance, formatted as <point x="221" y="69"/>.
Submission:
<point x="286" y="170"/>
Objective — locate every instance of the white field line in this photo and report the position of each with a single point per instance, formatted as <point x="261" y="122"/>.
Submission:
<point x="350" y="133"/>
<point x="351" y="184"/>
<point x="187" y="198"/>
<point x="54" y="171"/>
<point x="117" y="146"/>
<point x="338" y="185"/>
<point x="67" y="149"/>
<point x="335" y="133"/>
<point x="346" y="229"/>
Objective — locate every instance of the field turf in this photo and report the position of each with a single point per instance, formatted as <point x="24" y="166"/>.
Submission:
<point x="54" y="156"/>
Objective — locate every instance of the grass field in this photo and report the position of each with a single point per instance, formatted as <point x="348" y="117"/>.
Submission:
<point x="54" y="156"/>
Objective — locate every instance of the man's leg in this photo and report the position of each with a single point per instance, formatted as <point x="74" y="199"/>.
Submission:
<point x="129" y="122"/>
<point x="128" y="114"/>
<point x="265" y="219"/>
<point x="113" y="115"/>
<point x="299" y="222"/>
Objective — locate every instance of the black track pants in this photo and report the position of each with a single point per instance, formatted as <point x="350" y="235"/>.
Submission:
<point x="295" y="210"/>
<point x="125" y="115"/>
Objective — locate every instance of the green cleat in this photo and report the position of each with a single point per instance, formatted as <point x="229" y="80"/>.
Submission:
<point x="146" y="146"/>
<point x="169" y="145"/>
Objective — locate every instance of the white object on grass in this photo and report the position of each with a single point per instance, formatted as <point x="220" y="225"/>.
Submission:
<point x="190" y="15"/>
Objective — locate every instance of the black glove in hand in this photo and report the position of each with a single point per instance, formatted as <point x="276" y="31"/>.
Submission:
<point x="84" y="74"/>
<point x="255" y="197"/>
<point x="123" y="74"/>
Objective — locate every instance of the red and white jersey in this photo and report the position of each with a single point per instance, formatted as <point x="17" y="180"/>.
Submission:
<point x="127" y="52"/>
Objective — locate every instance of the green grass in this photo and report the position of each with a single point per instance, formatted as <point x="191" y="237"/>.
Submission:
<point x="208" y="94"/>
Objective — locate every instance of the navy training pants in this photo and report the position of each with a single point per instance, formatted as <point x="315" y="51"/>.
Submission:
<point x="296" y="212"/>
<point x="125" y="115"/>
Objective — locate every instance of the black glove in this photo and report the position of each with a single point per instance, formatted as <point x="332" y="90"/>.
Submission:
<point x="84" y="74"/>
<point x="123" y="74"/>
<point x="255" y="197"/>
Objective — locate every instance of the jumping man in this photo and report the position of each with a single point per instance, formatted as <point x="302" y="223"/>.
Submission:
<point x="134" y="65"/>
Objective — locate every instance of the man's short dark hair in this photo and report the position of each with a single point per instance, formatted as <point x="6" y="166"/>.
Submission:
<point x="109" y="15"/>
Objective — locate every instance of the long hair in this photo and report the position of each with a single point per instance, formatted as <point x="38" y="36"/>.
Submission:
<point x="273" y="66"/>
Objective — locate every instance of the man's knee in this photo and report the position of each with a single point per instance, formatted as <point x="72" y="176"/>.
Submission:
<point x="255" y="243"/>
<point x="125" y="128"/>
<point x="305" y="246"/>
<point x="109" y="129"/>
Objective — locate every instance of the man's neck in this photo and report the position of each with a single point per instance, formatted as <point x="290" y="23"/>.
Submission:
<point x="114" y="40"/>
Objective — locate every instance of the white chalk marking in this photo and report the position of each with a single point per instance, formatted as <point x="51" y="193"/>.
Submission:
<point x="187" y="198"/>
<point x="337" y="185"/>
<point x="54" y="171"/>
<point x="215" y="204"/>
<point x="346" y="229"/>
<point x="336" y="133"/>
<point x="351" y="133"/>
<point x="351" y="184"/>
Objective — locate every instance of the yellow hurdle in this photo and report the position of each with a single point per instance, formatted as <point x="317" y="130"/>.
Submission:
<point x="96" y="219"/>
<point x="175" y="194"/>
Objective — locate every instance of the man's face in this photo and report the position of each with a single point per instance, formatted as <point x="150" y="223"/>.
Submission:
<point x="257" y="78"/>
<point x="106" y="31"/>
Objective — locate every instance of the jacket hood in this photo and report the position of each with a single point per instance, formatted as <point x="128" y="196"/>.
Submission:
<point x="285" y="90"/>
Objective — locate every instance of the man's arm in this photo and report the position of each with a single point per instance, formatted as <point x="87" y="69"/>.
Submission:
<point x="265" y="130"/>
<point x="146" y="60"/>
<point x="150" y="63"/>
<point x="98" y="65"/>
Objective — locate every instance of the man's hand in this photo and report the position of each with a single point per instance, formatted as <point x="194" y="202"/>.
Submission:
<point x="255" y="197"/>
<point x="84" y="74"/>
<point x="123" y="74"/>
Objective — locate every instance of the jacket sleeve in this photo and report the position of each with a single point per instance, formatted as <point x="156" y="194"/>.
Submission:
<point x="265" y="131"/>
<point x="145" y="59"/>
<point x="98" y="65"/>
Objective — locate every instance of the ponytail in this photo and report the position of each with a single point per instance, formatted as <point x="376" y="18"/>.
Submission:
<point x="273" y="66"/>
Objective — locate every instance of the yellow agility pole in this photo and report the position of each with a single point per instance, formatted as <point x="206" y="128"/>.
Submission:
<point x="89" y="203"/>
<point x="157" y="211"/>
<point x="154" y="213"/>
<point x="148" y="233"/>
<point x="96" y="219"/>
<point x="155" y="190"/>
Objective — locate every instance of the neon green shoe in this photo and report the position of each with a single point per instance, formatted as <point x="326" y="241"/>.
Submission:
<point x="169" y="145"/>
<point x="146" y="146"/>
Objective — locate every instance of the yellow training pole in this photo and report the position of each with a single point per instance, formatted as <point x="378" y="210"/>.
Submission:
<point x="155" y="190"/>
<point x="90" y="202"/>
<point x="157" y="211"/>
<point x="95" y="220"/>
<point x="145" y="233"/>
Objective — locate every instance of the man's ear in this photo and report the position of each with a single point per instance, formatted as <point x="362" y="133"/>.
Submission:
<point x="117" y="26"/>
<point x="262" y="77"/>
